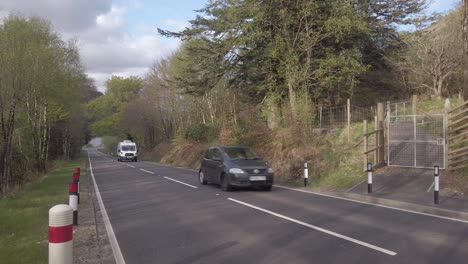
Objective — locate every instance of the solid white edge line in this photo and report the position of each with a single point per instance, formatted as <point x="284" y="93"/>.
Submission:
<point x="195" y="187"/>
<point x="110" y="231"/>
<point x="377" y="205"/>
<point x="350" y="239"/>
<point x="147" y="171"/>
<point x="430" y="187"/>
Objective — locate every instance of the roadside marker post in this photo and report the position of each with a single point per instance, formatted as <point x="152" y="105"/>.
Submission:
<point x="306" y="175"/>
<point x="60" y="235"/>
<point x="436" y="184"/>
<point x="76" y="179"/>
<point x="73" y="201"/>
<point x="369" y="177"/>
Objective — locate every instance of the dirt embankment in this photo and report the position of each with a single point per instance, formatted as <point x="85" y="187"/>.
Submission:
<point x="284" y="150"/>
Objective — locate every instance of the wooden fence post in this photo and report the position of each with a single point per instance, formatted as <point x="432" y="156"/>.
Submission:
<point x="380" y="128"/>
<point x="365" y="145"/>
<point x="348" y="115"/>
<point x="446" y="115"/>
<point x="377" y="143"/>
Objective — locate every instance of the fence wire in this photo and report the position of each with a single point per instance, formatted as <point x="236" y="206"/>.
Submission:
<point x="416" y="140"/>
<point x="337" y="116"/>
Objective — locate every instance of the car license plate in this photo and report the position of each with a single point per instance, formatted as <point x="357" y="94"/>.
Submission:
<point x="257" y="178"/>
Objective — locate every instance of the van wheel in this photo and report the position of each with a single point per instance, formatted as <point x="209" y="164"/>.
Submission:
<point x="201" y="178"/>
<point x="135" y="159"/>
<point x="225" y="185"/>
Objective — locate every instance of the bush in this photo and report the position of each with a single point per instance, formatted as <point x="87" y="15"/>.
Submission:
<point x="198" y="132"/>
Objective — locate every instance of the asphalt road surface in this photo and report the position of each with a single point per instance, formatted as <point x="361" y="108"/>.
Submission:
<point x="161" y="214"/>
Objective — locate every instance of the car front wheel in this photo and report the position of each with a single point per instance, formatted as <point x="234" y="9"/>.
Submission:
<point x="201" y="178"/>
<point x="225" y="185"/>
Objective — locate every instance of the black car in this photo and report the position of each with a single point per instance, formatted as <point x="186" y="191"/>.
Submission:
<point x="235" y="167"/>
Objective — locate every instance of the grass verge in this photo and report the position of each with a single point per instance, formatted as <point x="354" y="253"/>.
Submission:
<point x="24" y="215"/>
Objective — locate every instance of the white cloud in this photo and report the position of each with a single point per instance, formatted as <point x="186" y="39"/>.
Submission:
<point x="113" y="19"/>
<point x="177" y="25"/>
<point x="101" y="30"/>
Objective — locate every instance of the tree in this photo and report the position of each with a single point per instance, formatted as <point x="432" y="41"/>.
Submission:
<point x="105" y="111"/>
<point x="41" y="79"/>
<point x="275" y="48"/>
<point x="433" y="55"/>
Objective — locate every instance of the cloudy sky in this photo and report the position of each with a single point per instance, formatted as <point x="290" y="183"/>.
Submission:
<point x="119" y="36"/>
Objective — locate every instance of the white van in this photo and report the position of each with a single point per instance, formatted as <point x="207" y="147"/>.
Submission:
<point x="127" y="150"/>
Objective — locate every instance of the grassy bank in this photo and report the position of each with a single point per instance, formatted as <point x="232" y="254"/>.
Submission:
<point x="24" y="215"/>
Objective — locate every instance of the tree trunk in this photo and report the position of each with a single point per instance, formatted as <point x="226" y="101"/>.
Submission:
<point x="6" y="155"/>
<point x="440" y="84"/>
<point x="292" y="100"/>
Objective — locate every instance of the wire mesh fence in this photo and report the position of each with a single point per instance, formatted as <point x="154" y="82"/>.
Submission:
<point x="337" y="116"/>
<point x="416" y="140"/>
<point x="400" y="109"/>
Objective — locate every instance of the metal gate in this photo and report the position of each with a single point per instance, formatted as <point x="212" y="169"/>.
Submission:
<point x="416" y="140"/>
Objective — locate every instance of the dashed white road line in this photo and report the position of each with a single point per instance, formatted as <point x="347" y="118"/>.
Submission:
<point x="147" y="171"/>
<point x="195" y="187"/>
<point x="359" y="242"/>
<point x="131" y="166"/>
<point x="110" y="231"/>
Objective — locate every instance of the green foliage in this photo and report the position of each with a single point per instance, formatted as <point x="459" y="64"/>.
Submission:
<point x="106" y="111"/>
<point x="305" y="109"/>
<point x="43" y="88"/>
<point x="198" y="132"/>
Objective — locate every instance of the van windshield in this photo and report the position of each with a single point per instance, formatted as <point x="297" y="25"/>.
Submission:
<point x="128" y="148"/>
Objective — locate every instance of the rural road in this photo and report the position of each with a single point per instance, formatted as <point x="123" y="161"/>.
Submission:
<point x="160" y="214"/>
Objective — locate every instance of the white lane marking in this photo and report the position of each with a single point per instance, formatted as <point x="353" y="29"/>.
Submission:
<point x="195" y="187"/>
<point x="359" y="242"/>
<point x="110" y="231"/>
<point x="377" y="205"/>
<point x="147" y="171"/>
<point x="430" y="187"/>
<point x="131" y="166"/>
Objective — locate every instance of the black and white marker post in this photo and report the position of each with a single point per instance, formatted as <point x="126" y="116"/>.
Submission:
<point x="73" y="201"/>
<point x="436" y="184"/>
<point x="369" y="177"/>
<point x="306" y="175"/>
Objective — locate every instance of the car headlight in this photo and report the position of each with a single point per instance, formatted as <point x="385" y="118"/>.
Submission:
<point x="236" y="170"/>
<point x="270" y="170"/>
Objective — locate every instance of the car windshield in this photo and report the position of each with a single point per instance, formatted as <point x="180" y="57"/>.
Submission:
<point x="240" y="153"/>
<point x="128" y="148"/>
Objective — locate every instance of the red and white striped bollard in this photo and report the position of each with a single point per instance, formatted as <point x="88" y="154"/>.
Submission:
<point x="60" y="235"/>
